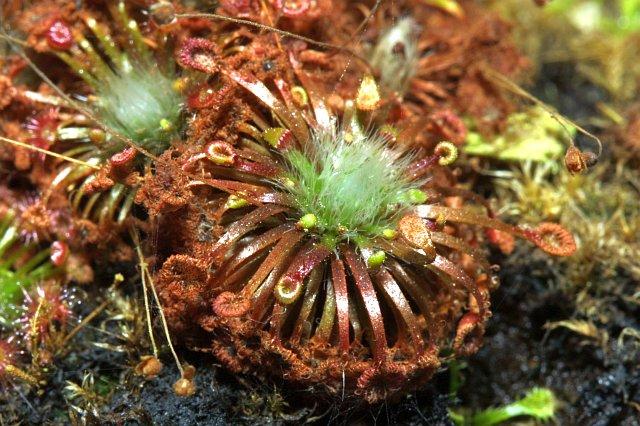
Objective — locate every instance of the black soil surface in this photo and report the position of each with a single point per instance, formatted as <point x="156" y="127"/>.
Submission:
<point x="594" y="385"/>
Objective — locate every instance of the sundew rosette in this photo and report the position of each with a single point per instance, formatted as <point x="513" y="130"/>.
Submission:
<point x="326" y="254"/>
<point x="133" y="87"/>
<point x="128" y="111"/>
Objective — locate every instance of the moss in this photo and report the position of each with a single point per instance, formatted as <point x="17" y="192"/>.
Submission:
<point x="599" y="37"/>
<point x="601" y="209"/>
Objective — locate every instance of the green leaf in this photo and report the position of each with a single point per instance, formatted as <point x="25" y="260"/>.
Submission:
<point x="539" y="403"/>
<point x="532" y="135"/>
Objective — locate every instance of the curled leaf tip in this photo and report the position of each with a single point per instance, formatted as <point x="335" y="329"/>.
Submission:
<point x="577" y="161"/>
<point x="288" y="291"/>
<point x="230" y="305"/>
<point x="553" y="239"/>
<point x="469" y="334"/>
<point x="199" y="54"/>
<point x="447" y="152"/>
<point x="221" y="153"/>
<point x="59" y="36"/>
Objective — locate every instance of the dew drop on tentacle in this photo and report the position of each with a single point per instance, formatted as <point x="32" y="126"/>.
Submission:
<point x="59" y="253"/>
<point x="59" y="35"/>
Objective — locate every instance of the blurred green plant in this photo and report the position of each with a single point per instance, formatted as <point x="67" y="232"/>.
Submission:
<point x="618" y="17"/>
<point x="601" y="38"/>
<point x="539" y="403"/>
<point x="456" y="378"/>
<point x="21" y="267"/>
<point x="532" y="134"/>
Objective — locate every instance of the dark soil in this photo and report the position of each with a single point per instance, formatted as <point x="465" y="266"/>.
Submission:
<point x="519" y="354"/>
<point x="222" y="399"/>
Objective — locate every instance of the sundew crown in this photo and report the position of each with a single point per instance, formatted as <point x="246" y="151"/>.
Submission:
<point x="354" y="184"/>
<point x="141" y="104"/>
<point x="317" y="253"/>
<point x="134" y="107"/>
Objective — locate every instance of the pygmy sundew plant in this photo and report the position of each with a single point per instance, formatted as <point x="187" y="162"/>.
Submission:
<point x="134" y="91"/>
<point x="132" y="107"/>
<point x="332" y="252"/>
